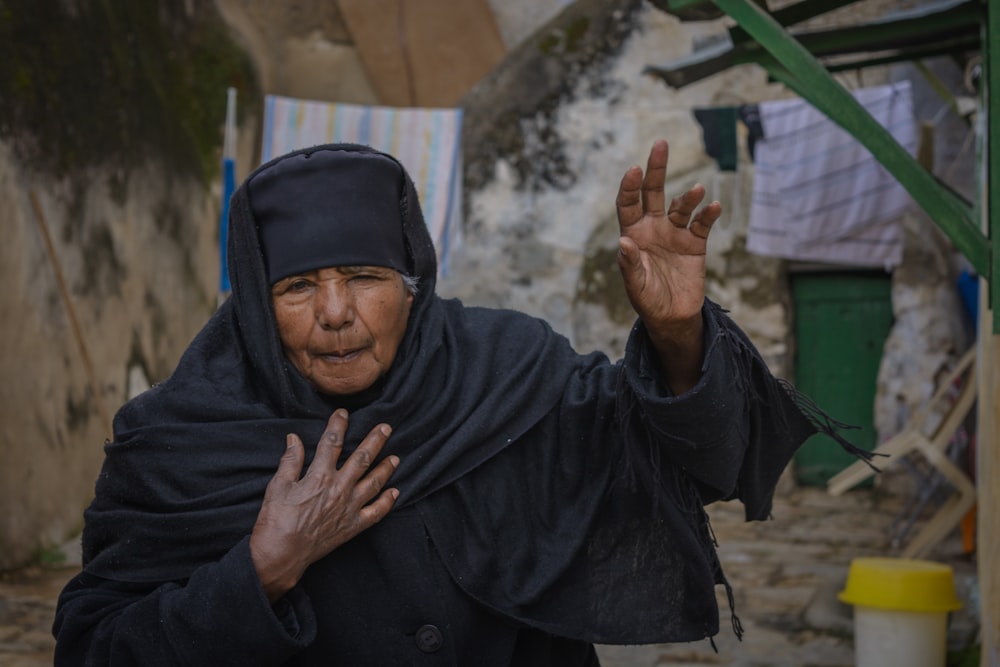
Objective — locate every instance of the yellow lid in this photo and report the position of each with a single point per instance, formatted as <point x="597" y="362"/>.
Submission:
<point x="900" y="583"/>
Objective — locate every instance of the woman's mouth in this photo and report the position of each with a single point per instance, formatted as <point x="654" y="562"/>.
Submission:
<point x="339" y="356"/>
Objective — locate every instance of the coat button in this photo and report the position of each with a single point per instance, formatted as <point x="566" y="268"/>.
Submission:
<point x="429" y="638"/>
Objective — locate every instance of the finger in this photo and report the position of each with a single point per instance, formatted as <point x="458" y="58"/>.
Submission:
<point x="683" y="206"/>
<point x="290" y="465"/>
<point x="629" y="261"/>
<point x="331" y="443"/>
<point x="374" y="512"/>
<point x="629" y="203"/>
<point x="653" y="199"/>
<point x="369" y="487"/>
<point x="702" y="223"/>
<point x="361" y="459"/>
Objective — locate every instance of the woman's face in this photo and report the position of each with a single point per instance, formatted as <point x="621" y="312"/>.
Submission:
<point x="341" y="326"/>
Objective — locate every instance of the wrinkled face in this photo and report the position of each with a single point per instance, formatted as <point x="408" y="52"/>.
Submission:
<point x="341" y="326"/>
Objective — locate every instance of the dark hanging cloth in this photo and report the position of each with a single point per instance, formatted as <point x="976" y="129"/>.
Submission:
<point x="718" y="127"/>
<point x="719" y="132"/>
<point x="750" y="115"/>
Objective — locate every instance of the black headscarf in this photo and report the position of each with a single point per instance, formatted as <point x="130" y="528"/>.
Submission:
<point x="191" y="457"/>
<point x="329" y="208"/>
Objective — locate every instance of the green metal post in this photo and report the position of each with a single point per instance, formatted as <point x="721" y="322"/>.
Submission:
<point x="991" y="81"/>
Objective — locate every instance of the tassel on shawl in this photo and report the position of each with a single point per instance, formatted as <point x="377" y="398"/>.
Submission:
<point x="826" y="424"/>
<point x="751" y="362"/>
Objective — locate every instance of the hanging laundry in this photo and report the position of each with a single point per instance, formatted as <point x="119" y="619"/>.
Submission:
<point x="718" y="128"/>
<point x="719" y="132"/>
<point x="819" y="195"/>
<point x="750" y="115"/>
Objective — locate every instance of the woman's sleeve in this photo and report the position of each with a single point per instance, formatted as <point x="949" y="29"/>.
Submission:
<point x="219" y="616"/>
<point x="734" y="432"/>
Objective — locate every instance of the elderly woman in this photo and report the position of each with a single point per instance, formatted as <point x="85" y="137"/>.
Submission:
<point x="540" y="500"/>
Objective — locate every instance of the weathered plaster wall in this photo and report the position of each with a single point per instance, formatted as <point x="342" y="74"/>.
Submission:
<point x="107" y="130"/>
<point x="519" y="19"/>
<point x="141" y="274"/>
<point x="931" y="328"/>
<point x="548" y="135"/>
<point x="300" y="49"/>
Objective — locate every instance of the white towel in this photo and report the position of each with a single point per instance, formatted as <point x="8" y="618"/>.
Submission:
<point x="426" y="141"/>
<point x="819" y="194"/>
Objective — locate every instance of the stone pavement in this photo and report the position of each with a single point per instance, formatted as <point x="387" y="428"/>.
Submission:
<point x="785" y="574"/>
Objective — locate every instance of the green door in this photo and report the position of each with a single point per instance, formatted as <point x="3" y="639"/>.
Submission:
<point x="841" y="323"/>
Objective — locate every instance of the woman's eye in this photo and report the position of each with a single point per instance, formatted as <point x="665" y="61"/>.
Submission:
<point x="298" y="285"/>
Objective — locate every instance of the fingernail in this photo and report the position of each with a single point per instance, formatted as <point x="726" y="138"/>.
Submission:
<point x="394" y="493"/>
<point x="385" y="429"/>
<point x="341" y="412"/>
<point x="289" y="441"/>
<point x="394" y="460"/>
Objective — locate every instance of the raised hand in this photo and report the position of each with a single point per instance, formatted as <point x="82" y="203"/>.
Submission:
<point x="305" y="517"/>
<point x="662" y="260"/>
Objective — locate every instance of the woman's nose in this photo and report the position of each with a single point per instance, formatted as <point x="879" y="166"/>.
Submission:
<point x="335" y="306"/>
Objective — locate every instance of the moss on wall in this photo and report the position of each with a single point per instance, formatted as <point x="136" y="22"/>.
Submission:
<point x="86" y="83"/>
<point x="601" y="284"/>
<point x="512" y="112"/>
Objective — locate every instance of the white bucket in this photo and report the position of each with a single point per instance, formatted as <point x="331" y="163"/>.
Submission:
<point x="886" y="638"/>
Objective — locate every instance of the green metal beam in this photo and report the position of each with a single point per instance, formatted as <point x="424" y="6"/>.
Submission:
<point x="792" y="14"/>
<point x="950" y="28"/>
<point x="955" y="23"/>
<point x="915" y="53"/>
<point x="684" y="4"/>
<point x="861" y="61"/>
<point x="946" y="209"/>
<point x="991" y="80"/>
<point x="950" y="24"/>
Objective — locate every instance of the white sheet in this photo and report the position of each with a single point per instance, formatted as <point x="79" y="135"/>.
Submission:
<point x="819" y="195"/>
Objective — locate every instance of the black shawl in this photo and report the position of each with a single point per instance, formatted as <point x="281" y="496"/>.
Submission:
<point x="184" y="477"/>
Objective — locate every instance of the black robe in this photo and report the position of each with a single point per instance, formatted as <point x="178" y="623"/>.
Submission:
<point x="548" y="499"/>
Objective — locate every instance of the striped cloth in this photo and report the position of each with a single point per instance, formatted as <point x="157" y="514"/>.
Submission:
<point x="819" y="195"/>
<point x="426" y="141"/>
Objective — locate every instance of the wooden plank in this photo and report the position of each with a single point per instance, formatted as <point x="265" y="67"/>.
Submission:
<point x="423" y="53"/>
<point x="987" y="445"/>
<point x="815" y="84"/>
<point x="987" y="489"/>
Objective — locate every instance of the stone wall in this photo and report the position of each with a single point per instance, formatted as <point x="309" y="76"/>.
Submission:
<point x="109" y="167"/>
<point x="548" y="136"/>
<point x="140" y="275"/>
